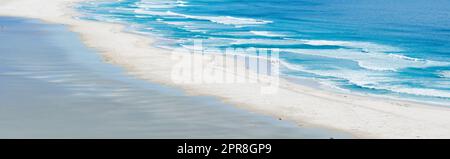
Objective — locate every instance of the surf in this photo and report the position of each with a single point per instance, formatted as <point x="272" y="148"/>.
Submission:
<point x="354" y="54"/>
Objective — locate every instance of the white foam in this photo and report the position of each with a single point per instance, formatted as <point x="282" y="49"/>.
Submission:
<point x="188" y="26"/>
<point x="266" y="33"/>
<point x="373" y="58"/>
<point x="140" y="16"/>
<point x="175" y="23"/>
<point x="358" y="77"/>
<point x="368" y="55"/>
<point x="148" y="12"/>
<point x="123" y="9"/>
<point x="421" y="91"/>
<point x="160" y="4"/>
<point x="362" y="46"/>
<point x="407" y="90"/>
<point x="366" y="46"/>
<point x="444" y="74"/>
<point x="377" y="61"/>
<point x="369" y="79"/>
<point x="181" y="2"/>
<point x="227" y="20"/>
<point x="293" y="66"/>
<point x="264" y="41"/>
<point x="380" y="82"/>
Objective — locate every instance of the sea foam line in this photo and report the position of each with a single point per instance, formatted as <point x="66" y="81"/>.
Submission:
<point x="376" y="61"/>
<point x="444" y="74"/>
<point x="370" y="80"/>
<point x="227" y="20"/>
<point x="368" y="55"/>
<point x="160" y="4"/>
<point x="267" y="33"/>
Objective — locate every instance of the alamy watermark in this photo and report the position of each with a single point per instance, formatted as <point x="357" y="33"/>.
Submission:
<point x="244" y="66"/>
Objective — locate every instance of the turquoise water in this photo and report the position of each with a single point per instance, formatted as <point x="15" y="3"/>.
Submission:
<point x="394" y="48"/>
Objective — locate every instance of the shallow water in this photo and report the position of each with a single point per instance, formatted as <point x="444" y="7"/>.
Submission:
<point x="51" y="86"/>
<point x="382" y="47"/>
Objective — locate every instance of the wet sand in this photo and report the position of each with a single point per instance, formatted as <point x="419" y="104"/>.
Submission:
<point x="52" y="86"/>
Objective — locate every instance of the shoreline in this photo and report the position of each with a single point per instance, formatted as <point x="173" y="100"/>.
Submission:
<point x="71" y="92"/>
<point x="363" y="116"/>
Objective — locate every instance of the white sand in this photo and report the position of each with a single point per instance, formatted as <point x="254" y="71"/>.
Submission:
<point x="364" y="116"/>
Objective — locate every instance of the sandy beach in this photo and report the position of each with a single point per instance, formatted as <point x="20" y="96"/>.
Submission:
<point x="55" y="87"/>
<point x="364" y="116"/>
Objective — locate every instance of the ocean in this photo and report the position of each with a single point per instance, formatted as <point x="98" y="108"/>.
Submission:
<point x="396" y="49"/>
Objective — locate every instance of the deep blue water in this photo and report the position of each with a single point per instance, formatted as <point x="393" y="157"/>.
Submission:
<point x="398" y="48"/>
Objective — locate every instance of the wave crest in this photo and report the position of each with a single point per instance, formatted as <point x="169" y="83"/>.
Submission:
<point x="227" y="20"/>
